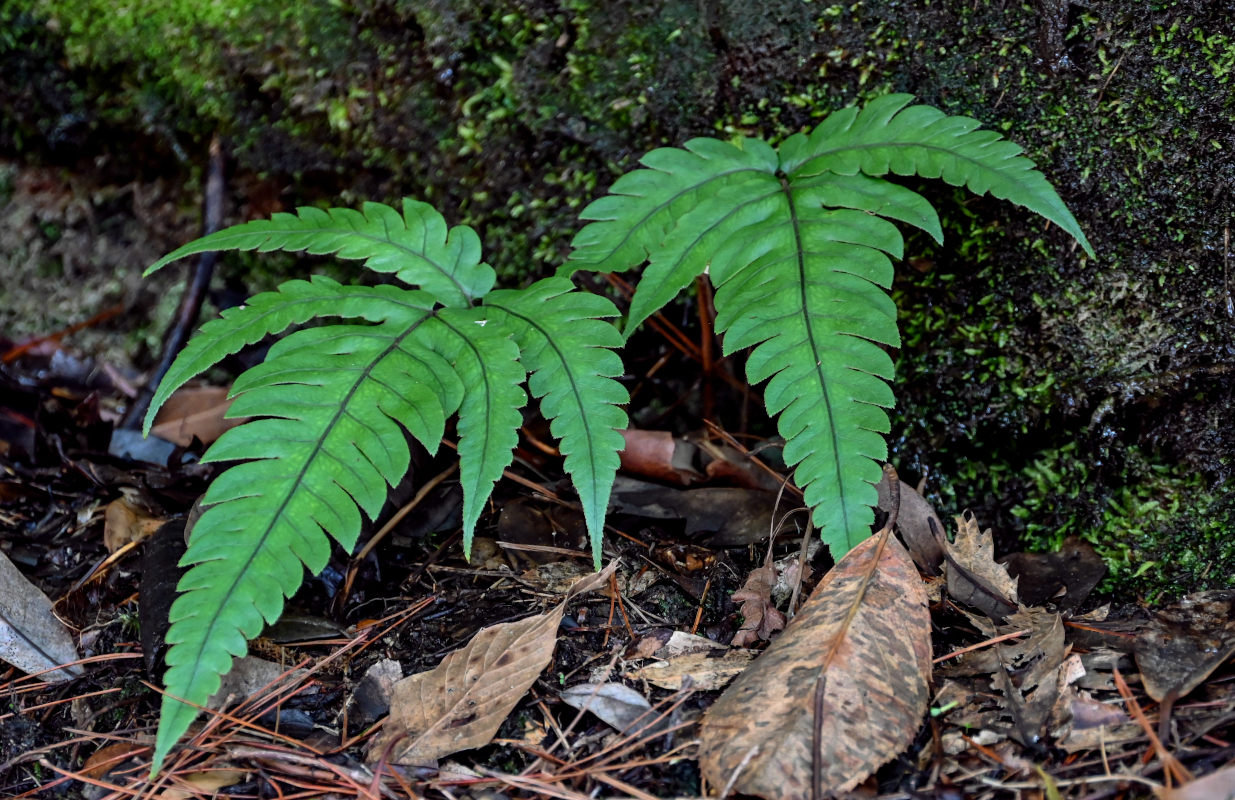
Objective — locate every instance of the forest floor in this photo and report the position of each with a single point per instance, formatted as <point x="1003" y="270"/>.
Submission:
<point x="1029" y="688"/>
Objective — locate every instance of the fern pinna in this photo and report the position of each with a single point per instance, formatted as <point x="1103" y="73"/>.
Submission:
<point x="332" y="403"/>
<point x="796" y="241"/>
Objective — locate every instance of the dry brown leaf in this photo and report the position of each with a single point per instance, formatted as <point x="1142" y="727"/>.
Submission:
<point x="462" y="702"/>
<point x="844" y="687"/>
<point x="760" y="617"/>
<point x="973" y="576"/>
<point x="913" y="520"/>
<point x="1065" y="577"/>
<point x="1185" y="643"/>
<point x="615" y="704"/>
<point x="31" y="637"/>
<point x="704" y="671"/>
<point x="194" y="411"/>
<point x="659" y="455"/>
<point x="125" y="521"/>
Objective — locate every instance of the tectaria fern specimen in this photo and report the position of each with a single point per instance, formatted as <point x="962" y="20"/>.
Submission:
<point x="796" y="241"/>
<point x="331" y="400"/>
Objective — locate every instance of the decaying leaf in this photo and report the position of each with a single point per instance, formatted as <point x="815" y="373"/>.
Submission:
<point x="705" y="671"/>
<point x="615" y="704"/>
<point x="760" y="617"/>
<point x="462" y="702"/>
<point x="659" y="455"/>
<point x="195" y="411"/>
<point x="126" y="521"/>
<point x="973" y="576"/>
<point x="838" y="693"/>
<point x="1185" y="643"/>
<point x="732" y="516"/>
<point x="1065" y="577"/>
<point x="31" y="637"/>
<point x="914" y="523"/>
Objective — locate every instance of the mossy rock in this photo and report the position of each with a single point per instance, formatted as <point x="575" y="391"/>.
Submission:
<point x="1021" y="358"/>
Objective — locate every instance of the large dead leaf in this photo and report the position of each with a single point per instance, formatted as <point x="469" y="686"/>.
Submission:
<point x="839" y="693"/>
<point x="462" y="702"/>
<point x="1185" y="643"/>
<point x="31" y="637"/>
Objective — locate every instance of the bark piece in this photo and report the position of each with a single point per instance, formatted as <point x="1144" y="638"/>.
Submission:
<point x="841" y="691"/>
<point x="31" y="637"/>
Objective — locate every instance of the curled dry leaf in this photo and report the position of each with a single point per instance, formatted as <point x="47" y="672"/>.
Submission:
<point x="914" y="522"/>
<point x="462" y="702"/>
<point x="973" y="576"/>
<point x="841" y="691"/>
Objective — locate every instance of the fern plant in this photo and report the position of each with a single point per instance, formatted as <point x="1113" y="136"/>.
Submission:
<point x="796" y="239"/>
<point x="332" y="404"/>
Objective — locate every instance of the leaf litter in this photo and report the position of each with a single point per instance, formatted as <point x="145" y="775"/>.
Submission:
<point x="1029" y="695"/>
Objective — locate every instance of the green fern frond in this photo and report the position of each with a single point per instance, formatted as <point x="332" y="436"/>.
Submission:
<point x="416" y="246"/>
<point x="486" y="359"/>
<point x="809" y="294"/>
<point x="796" y="240"/>
<point x="644" y="206"/>
<point x="333" y="400"/>
<point x="331" y="406"/>
<point x="269" y="313"/>
<point x="566" y="348"/>
<point x="886" y="137"/>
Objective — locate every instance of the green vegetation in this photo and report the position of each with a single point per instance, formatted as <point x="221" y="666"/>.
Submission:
<point x="796" y="239"/>
<point x="1008" y="353"/>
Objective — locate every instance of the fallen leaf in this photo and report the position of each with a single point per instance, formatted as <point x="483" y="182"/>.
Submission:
<point x="914" y="522"/>
<point x="733" y="517"/>
<point x="973" y="576"/>
<point x="195" y="411"/>
<point x="659" y="455"/>
<point x="126" y="521"/>
<point x="1066" y="576"/>
<point x="706" y="671"/>
<point x="841" y="690"/>
<point x="204" y="783"/>
<point x="615" y="704"/>
<point x="31" y="637"/>
<point x="760" y="617"/>
<point x="1185" y="643"/>
<point x="461" y="703"/>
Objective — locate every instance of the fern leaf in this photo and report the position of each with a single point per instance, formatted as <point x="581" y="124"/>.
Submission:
<point x="886" y="137"/>
<point x="565" y="346"/>
<point x="334" y="398"/>
<point x="293" y="303"/>
<point x="416" y="246"/>
<point x="808" y="292"/>
<point x="642" y="207"/>
<point x="486" y="359"/>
